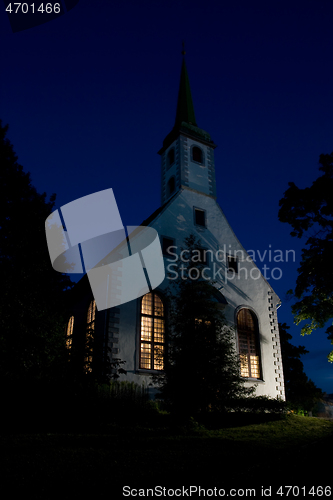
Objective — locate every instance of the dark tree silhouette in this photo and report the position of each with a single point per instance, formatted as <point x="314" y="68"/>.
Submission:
<point x="202" y="372"/>
<point x="310" y="213"/>
<point x="301" y="392"/>
<point x="32" y="335"/>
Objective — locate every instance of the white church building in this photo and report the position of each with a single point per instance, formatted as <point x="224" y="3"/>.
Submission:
<point x="136" y="331"/>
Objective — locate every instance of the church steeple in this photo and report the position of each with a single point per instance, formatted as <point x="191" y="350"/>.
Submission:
<point x="185" y="109"/>
<point x="188" y="151"/>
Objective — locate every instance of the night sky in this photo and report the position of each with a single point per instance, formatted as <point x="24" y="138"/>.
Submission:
<point x="90" y="96"/>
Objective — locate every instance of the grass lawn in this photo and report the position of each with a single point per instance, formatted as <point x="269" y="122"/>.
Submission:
<point x="96" y="462"/>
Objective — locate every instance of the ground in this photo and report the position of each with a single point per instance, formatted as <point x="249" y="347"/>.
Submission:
<point x="99" y="464"/>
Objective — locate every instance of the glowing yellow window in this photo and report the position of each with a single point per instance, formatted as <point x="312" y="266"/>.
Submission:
<point x="247" y="327"/>
<point x="152" y="333"/>
<point x="69" y="332"/>
<point x="90" y="336"/>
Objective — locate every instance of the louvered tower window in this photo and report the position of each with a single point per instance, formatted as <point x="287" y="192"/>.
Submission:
<point x="197" y="154"/>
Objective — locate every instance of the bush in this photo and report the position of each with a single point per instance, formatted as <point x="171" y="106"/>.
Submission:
<point x="245" y="411"/>
<point x="259" y="404"/>
<point x="123" y="393"/>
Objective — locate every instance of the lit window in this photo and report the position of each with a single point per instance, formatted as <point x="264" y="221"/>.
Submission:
<point x="152" y="333"/>
<point x="197" y="155"/>
<point x="247" y="327"/>
<point x="200" y="217"/>
<point x="90" y="336"/>
<point x="200" y="322"/>
<point x="69" y="332"/>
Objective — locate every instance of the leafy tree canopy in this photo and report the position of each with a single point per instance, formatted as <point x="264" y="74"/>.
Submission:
<point x="31" y="307"/>
<point x="301" y="392"/>
<point x="310" y="213"/>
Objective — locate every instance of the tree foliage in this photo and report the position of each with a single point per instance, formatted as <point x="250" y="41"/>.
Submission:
<point x="32" y="324"/>
<point x="301" y="392"/>
<point x="202" y="370"/>
<point x="310" y="213"/>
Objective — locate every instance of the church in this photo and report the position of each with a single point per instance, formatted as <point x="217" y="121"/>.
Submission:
<point x="135" y="332"/>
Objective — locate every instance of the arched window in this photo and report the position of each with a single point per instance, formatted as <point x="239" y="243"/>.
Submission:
<point x="248" y="343"/>
<point x="90" y="336"/>
<point x="171" y="185"/>
<point x="171" y="157"/>
<point x="69" y="332"/>
<point x="197" y="154"/>
<point x="152" y="332"/>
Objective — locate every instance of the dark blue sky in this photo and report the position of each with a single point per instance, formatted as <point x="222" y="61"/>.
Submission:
<point x="89" y="98"/>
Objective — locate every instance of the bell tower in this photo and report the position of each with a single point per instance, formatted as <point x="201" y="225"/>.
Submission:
<point x="187" y="155"/>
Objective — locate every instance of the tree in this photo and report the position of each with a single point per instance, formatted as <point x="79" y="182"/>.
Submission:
<point x="310" y="213"/>
<point x="202" y="371"/>
<point x="301" y="392"/>
<point x="32" y="335"/>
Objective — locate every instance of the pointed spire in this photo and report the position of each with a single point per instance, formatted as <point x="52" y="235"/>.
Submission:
<point x="185" y="122"/>
<point x="185" y="109"/>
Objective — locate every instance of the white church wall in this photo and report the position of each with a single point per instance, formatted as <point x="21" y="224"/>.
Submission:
<point x="247" y="288"/>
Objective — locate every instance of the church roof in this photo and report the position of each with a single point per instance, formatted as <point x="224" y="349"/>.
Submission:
<point x="154" y="215"/>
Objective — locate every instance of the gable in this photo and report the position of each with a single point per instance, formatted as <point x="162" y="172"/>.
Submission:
<point x="178" y="218"/>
